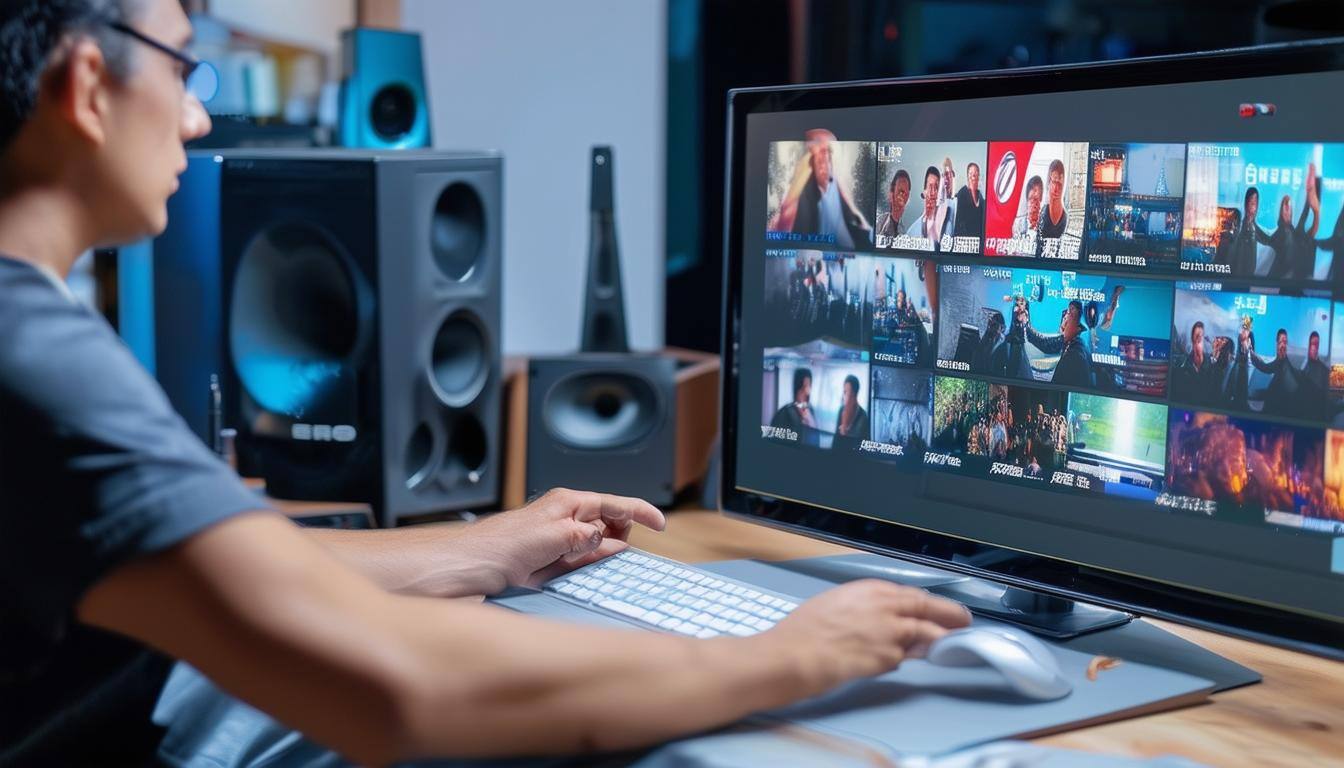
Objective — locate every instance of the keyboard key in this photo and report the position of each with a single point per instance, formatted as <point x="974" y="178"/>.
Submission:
<point x="706" y="632"/>
<point x="702" y="618"/>
<point x="625" y="609"/>
<point x="741" y="630"/>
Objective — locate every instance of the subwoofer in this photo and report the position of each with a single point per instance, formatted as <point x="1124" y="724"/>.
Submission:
<point x="362" y="325"/>
<point x="630" y="424"/>
<point x="384" y="104"/>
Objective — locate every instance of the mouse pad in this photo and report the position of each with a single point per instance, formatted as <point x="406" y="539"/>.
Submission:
<point x="921" y="709"/>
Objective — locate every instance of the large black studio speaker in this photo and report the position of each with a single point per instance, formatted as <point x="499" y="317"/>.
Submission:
<point x="362" y="317"/>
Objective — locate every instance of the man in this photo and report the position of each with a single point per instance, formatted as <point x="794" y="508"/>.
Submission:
<point x="947" y="193"/>
<point x="1315" y="380"/>
<point x="815" y="203"/>
<point x="1250" y="235"/>
<point x="798" y="416"/>
<point x="1294" y="245"/>
<point x="122" y="537"/>
<point x="990" y="354"/>
<point x="932" y="222"/>
<point x="1199" y="379"/>
<point x="1074" y="368"/>
<point x="1284" y="390"/>
<point x="851" y="425"/>
<point x="970" y="206"/>
<point x="1029" y="223"/>
<point x="1056" y="218"/>
<point x="898" y="194"/>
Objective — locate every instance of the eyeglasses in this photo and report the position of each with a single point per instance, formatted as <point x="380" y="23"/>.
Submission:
<point x="200" y="78"/>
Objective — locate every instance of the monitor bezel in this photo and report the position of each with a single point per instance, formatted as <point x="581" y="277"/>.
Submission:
<point x="1048" y="575"/>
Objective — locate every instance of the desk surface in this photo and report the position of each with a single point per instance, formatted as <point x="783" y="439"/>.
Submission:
<point x="1294" y="718"/>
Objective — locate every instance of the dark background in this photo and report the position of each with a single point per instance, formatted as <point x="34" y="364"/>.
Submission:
<point x="715" y="45"/>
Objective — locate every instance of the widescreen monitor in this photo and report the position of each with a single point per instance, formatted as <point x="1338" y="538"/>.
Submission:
<point x="1077" y="329"/>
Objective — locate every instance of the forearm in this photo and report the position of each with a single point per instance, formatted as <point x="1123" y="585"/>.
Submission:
<point x="497" y="683"/>
<point x="428" y="560"/>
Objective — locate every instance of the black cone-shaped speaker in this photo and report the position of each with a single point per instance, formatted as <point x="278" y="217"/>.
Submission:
<point x="603" y="422"/>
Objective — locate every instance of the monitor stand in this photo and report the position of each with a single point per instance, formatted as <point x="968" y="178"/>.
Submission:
<point x="1043" y="614"/>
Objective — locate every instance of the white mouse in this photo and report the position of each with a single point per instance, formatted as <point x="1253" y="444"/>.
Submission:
<point x="1026" y="663"/>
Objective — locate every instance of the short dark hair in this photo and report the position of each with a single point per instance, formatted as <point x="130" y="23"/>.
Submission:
<point x="933" y="171"/>
<point x="1056" y="165"/>
<point x="900" y="174"/>
<point x="1246" y="199"/>
<point x="32" y="31"/>
<point x="1282" y="332"/>
<point x="800" y="376"/>
<point x="971" y="165"/>
<point x="853" y="381"/>
<point x="1314" y="335"/>
<point x="1034" y="181"/>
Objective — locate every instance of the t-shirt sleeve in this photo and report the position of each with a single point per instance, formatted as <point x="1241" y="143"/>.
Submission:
<point x="96" y="468"/>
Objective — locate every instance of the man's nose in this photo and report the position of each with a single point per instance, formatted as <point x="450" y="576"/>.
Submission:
<point x="195" y="120"/>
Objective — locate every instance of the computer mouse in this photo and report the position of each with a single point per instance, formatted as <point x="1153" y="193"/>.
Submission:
<point x="1028" y="665"/>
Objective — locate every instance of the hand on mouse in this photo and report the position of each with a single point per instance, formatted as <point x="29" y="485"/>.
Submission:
<point x="863" y="628"/>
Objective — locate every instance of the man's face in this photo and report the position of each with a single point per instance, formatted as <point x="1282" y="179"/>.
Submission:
<point x="930" y="194"/>
<point x="1056" y="187"/>
<point x="821" y="160"/>
<point x="1281" y="345"/>
<point x="150" y="118"/>
<point x="1252" y="206"/>
<point x="900" y="299"/>
<point x="1286" y="209"/>
<point x="851" y="397"/>
<point x="1314" y="347"/>
<point x="805" y="391"/>
<point x="1197" y="344"/>
<point x="898" y="196"/>
<point x="1069" y="324"/>
<point x="1033" y="205"/>
<point x="949" y="180"/>
<point x="973" y="178"/>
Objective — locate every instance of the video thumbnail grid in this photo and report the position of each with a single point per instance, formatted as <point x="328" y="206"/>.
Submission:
<point x="1273" y="211"/>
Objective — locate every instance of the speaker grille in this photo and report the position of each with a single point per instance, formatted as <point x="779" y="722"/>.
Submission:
<point x="602" y="410"/>
<point x="294" y="321"/>
<point x="457" y="233"/>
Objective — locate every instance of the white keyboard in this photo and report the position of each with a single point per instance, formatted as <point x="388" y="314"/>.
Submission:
<point x="672" y="596"/>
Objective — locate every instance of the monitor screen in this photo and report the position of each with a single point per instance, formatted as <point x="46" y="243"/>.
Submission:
<point x="1092" y="316"/>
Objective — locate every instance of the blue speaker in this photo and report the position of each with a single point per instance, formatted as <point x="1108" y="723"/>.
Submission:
<point x="383" y="100"/>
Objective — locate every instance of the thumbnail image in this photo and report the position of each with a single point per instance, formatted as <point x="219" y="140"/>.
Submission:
<point x="901" y="413"/>
<point x="1218" y="361"/>
<point x="1336" y="381"/>
<point x="1253" y="465"/>
<point x="1000" y="430"/>
<point x="821" y="191"/>
<point x="904" y="305"/>
<point x="815" y="394"/>
<point x="812" y="295"/>
<point x="1037" y="191"/>
<point x="1135" y="204"/>
<point x="1113" y="333"/>
<point x="930" y="196"/>
<point x="1120" y="444"/>
<point x="1330" y="513"/>
<point x="1264" y="210"/>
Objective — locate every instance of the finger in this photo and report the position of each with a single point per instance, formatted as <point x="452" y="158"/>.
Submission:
<point x="583" y="537"/>
<point x="918" y="604"/>
<point x="564" y="565"/>
<point x="916" y="637"/>
<point x="619" y="512"/>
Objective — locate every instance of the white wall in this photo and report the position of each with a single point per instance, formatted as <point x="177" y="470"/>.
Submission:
<point x="543" y="82"/>
<point x="312" y="24"/>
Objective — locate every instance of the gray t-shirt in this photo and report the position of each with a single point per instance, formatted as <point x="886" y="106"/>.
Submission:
<point x="96" y="469"/>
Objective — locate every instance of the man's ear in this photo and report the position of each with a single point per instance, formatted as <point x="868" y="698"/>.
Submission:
<point x="79" y="88"/>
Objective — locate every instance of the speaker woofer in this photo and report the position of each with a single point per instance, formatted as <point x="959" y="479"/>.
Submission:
<point x="468" y="448"/>
<point x="419" y="457"/>
<point x="602" y="411"/>
<point x="294" y="320"/>
<point x="459" y="360"/>
<point x="457" y="232"/>
<point x="392" y="112"/>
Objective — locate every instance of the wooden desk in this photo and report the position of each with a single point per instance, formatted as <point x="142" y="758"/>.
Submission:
<point x="1294" y="718"/>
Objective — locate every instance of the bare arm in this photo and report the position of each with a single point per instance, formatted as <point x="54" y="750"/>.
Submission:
<point x="276" y="620"/>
